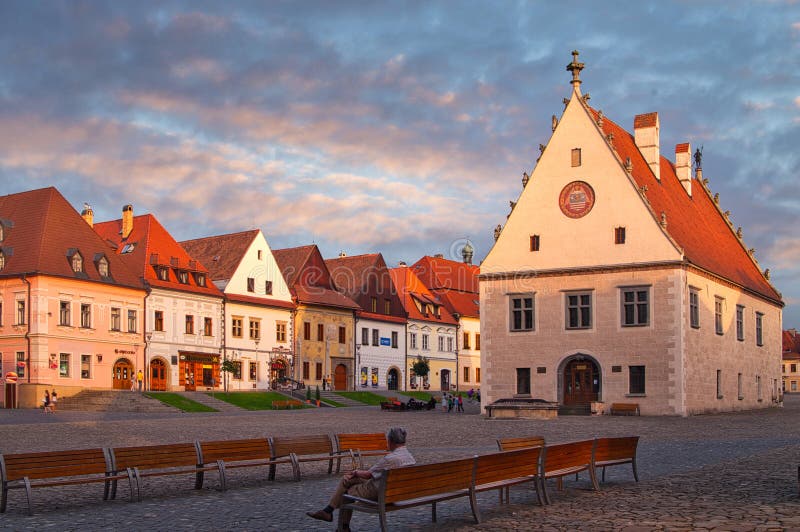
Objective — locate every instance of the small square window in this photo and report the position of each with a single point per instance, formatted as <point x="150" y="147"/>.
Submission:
<point x="268" y="288"/>
<point x="251" y="284"/>
<point x="576" y="156"/>
<point x="534" y="244"/>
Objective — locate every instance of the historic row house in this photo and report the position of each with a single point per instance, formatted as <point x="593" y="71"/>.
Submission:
<point x="71" y="310"/>
<point x="791" y="362"/>
<point x="619" y="278"/>
<point x="380" y="320"/>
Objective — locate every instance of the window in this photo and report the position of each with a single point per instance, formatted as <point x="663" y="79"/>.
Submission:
<point x="208" y="327"/>
<point x="102" y="267"/>
<point x="77" y="263"/>
<point x="116" y="319"/>
<point x="374" y="304"/>
<point x="20" y="312"/>
<point x="534" y="243"/>
<point x="412" y="339"/>
<point x="441" y="343"/>
<point x="159" y="321"/>
<point x="237" y="370"/>
<point x="636" y="380"/>
<point x="63" y="313"/>
<point x="63" y="365"/>
<point x="793" y="368"/>
<point x="364" y="336"/>
<point x="522" y="313"/>
<point x="579" y="311"/>
<point x="251" y="284"/>
<point x="759" y="329"/>
<point x="183" y="276"/>
<point x="343" y="335"/>
<point x="576" y="156"/>
<point x="189" y="329"/>
<point x="466" y="341"/>
<point x="260" y="254"/>
<point x="131" y="321"/>
<point x="163" y="273"/>
<point x="86" y="366"/>
<point x="478" y="375"/>
<point x="375" y="337"/>
<point x="2" y="261"/>
<point x="200" y="279"/>
<point x="740" y="323"/>
<point x="387" y="306"/>
<point x="466" y="374"/>
<point x="739" y="390"/>
<point x="694" y="308"/>
<point x="280" y="332"/>
<point x="21" y="364"/>
<point x="253" y="373"/>
<point x="758" y="387"/>
<point x="1" y="314"/>
<point x="394" y="339"/>
<point x="236" y="327"/>
<point x="477" y="341"/>
<point x="318" y="370"/>
<point x="718" y="303"/>
<point x="635" y="307"/>
<point x="320" y="332"/>
<point x="306" y="330"/>
<point x="619" y="235"/>
<point x="255" y="329"/>
<point x="268" y="288"/>
<point x="86" y="316"/>
<point x="450" y="344"/>
<point x="128" y="248"/>
<point x="523" y="381"/>
<point x="719" y="384"/>
<point x="306" y="370"/>
<point x="425" y="342"/>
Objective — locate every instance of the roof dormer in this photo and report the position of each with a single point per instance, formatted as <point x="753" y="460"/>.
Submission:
<point x="102" y="265"/>
<point x="5" y="225"/>
<point x="75" y="260"/>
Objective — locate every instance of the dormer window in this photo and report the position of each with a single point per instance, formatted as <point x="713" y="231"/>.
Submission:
<point x="163" y="273"/>
<point x="183" y="276"/>
<point x="2" y="260"/>
<point x="102" y="267"/>
<point x="127" y="248"/>
<point x="2" y="233"/>
<point x="200" y="279"/>
<point x="76" y="262"/>
<point x="5" y="225"/>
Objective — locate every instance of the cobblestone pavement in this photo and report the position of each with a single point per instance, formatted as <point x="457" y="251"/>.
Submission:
<point x="733" y="471"/>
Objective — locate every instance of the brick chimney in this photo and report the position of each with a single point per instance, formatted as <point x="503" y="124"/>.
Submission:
<point x="88" y="214"/>
<point x="645" y="134"/>
<point x="127" y="221"/>
<point x="683" y="165"/>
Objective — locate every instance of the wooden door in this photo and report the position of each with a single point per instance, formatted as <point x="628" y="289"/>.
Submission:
<point x="189" y="376"/>
<point x="340" y="377"/>
<point x="158" y="375"/>
<point x="391" y="379"/>
<point x="581" y="382"/>
<point x="123" y="371"/>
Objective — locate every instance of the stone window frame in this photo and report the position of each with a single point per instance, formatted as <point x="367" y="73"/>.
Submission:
<point x="580" y="295"/>
<point x="635" y="304"/>
<point x="694" y="307"/>
<point x="522" y="309"/>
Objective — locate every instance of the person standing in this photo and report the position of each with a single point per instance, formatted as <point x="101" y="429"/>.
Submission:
<point x="133" y="382"/>
<point x="364" y="483"/>
<point x="460" y="404"/>
<point x="46" y="403"/>
<point x="140" y="379"/>
<point x="53" y="401"/>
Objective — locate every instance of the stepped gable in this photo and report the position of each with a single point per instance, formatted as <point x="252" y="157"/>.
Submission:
<point x="42" y="231"/>
<point x="411" y="290"/>
<point x="455" y="282"/>
<point x="221" y="254"/>
<point x="360" y="277"/>
<point x="694" y="222"/>
<point x="309" y="281"/>
<point x="154" y="247"/>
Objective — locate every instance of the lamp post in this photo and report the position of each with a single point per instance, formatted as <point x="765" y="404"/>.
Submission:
<point x="147" y="337"/>
<point x="257" y="339"/>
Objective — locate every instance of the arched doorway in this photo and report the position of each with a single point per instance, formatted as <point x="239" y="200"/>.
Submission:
<point x="158" y="375"/>
<point x="123" y="371"/>
<point x="392" y="378"/>
<point x="581" y="383"/>
<point x="277" y="373"/>
<point x="445" y="378"/>
<point x="340" y="377"/>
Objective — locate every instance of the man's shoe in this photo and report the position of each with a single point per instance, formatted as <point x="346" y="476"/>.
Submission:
<point x="322" y="515"/>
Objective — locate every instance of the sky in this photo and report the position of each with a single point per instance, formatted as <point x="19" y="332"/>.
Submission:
<point x="395" y="127"/>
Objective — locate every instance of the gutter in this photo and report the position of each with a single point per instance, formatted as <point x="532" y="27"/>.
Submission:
<point x="28" y="328"/>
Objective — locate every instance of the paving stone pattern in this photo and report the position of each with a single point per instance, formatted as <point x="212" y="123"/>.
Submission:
<point x="733" y="471"/>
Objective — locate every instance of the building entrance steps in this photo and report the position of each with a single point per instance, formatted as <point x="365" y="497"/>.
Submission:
<point x="333" y="396"/>
<point x="205" y="399"/>
<point x="112" y="401"/>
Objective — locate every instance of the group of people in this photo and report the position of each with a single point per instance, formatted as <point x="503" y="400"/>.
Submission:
<point x="138" y="380"/>
<point x="450" y="401"/>
<point x="49" y="402"/>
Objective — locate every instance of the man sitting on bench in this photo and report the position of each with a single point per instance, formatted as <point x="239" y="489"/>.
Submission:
<point x="362" y="483"/>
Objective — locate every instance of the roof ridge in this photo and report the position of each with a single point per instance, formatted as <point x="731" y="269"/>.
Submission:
<point x="235" y="233"/>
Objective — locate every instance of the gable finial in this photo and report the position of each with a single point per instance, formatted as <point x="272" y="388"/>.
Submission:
<point x="575" y="67"/>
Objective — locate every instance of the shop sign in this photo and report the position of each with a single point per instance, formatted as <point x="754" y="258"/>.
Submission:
<point x="386" y="341"/>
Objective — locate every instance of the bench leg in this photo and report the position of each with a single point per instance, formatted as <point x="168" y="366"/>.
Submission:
<point x="199" y="478"/>
<point x="603" y="478"/>
<point x="537" y="487"/>
<point x="473" y="504"/>
<point x="593" y="477"/>
<point x="271" y="472"/>
<point x="135" y="473"/>
<point x="330" y="465"/>
<point x="339" y="464"/>
<point x="295" y="466"/>
<point x="223" y="482"/>
<point x="382" y="517"/>
<point x="28" y="494"/>
<point x="544" y="491"/>
<point x="433" y="512"/>
<point x="4" y="496"/>
<point x="113" y="488"/>
<point x="636" y="474"/>
<point x="131" y="482"/>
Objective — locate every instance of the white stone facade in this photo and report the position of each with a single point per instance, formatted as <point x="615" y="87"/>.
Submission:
<point x="389" y="355"/>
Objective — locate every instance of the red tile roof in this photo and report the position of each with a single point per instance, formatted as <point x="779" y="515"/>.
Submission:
<point x="259" y="301"/>
<point x="308" y="278"/>
<point x="362" y="277"/>
<point x="411" y="288"/>
<point x="221" y="254"/>
<point x="42" y="230"/>
<point x="153" y="247"/>
<point x="695" y="223"/>
<point x="791" y="341"/>
<point x="456" y="283"/>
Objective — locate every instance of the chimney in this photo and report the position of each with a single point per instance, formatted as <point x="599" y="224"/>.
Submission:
<point x="342" y="254"/>
<point x="88" y="214"/>
<point x="127" y="221"/>
<point x="438" y="256"/>
<point x="683" y="166"/>
<point x="645" y="134"/>
<point x="402" y="264"/>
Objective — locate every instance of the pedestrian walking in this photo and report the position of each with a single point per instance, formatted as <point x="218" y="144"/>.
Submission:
<point x="140" y="379"/>
<point x="460" y="404"/>
<point x="450" y="403"/>
<point x="444" y="402"/>
<point x="46" y="409"/>
<point x="133" y="383"/>
<point x="53" y="401"/>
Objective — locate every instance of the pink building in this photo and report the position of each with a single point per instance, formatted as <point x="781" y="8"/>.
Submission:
<point x="71" y="314"/>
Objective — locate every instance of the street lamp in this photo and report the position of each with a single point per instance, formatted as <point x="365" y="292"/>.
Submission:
<point x="257" y="339"/>
<point x="147" y="337"/>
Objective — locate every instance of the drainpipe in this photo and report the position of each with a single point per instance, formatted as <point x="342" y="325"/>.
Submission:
<point x="356" y="353"/>
<point x="458" y="323"/>
<point x="28" y="328"/>
<point x="146" y="383"/>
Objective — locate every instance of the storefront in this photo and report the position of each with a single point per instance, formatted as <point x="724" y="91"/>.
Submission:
<point x="198" y="370"/>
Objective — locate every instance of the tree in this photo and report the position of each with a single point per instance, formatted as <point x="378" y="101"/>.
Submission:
<point x="421" y="367"/>
<point x="228" y="366"/>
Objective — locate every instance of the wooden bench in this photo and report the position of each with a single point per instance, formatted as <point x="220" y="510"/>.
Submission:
<point x="616" y="451"/>
<point x="230" y="454"/>
<point x="418" y="485"/>
<point x="357" y="446"/>
<point x="624" y="409"/>
<point x="287" y="404"/>
<point x="159" y="460"/>
<point x="525" y="442"/>
<point x="57" y="468"/>
<point x="315" y="448"/>
<point x="567" y="459"/>
<point x="505" y="469"/>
